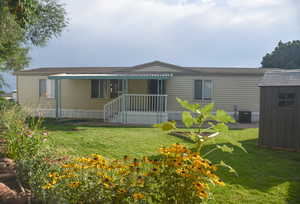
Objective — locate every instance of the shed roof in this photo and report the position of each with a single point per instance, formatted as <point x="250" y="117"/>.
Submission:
<point x="281" y="78"/>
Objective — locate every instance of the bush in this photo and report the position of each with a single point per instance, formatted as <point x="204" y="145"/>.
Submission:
<point x="5" y="103"/>
<point x="26" y="144"/>
<point x="178" y="175"/>
<point x="22" y="133"/>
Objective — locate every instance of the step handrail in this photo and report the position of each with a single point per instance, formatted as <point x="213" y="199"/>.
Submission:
<point x="109" y="108"/>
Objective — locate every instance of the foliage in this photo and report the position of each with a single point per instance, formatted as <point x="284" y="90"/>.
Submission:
<point x="25" y="23"/>
<point x="13" y="52"/>
<point x="40" y="19"/>
<point x="205" y="121"/>
<point x="285" y="56"/>
<point x="4" y="104"/>
<point x="26" y="144"/>
<point x="261" y="176"/>
<point x="177" y="176"/>
<point x="22" y="135"/>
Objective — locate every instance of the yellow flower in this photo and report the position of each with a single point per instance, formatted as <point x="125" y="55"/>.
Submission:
<point x="155" y="170"/>
<point x="53" y="175"/>
<point x="219" y="182"/>
<point x="200" y="186"/>
<point x="140" y="181"/>
<point x="202" y="194"/>
<point x="74" y="184"/>
<point x="48" y="186"/>
<point x="122" y="190"/>
<point x="138" y="196"/>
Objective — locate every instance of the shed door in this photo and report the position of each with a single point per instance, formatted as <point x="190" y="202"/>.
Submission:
<point x="286" y="117"/>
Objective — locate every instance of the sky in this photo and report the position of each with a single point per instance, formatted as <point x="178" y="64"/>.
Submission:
<point x="184" y="32"/>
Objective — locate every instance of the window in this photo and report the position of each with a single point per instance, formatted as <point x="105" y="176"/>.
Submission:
<point x="203" y="89"/>
<point x="286" y="99"/>
<point x="98" y="88"/>
<point x="47" y="88"/>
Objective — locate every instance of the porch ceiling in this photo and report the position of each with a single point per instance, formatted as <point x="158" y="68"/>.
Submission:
<point x="160" y="76"/>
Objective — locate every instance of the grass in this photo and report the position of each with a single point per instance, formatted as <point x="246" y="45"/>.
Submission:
<point x="265" y="176"/>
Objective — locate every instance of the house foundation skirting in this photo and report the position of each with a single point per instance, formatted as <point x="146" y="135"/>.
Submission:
<point x="176" y="115"/>
<point x="98" y="114"/>
<point x="69" y="113"/>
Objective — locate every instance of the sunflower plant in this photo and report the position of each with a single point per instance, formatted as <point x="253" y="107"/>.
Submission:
<point x="203" y="124"/>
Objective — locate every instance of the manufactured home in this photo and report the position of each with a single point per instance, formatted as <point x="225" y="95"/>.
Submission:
<point x="143" y="93"/>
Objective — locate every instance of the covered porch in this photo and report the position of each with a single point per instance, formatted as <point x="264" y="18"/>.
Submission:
<point x="127" y="98"/>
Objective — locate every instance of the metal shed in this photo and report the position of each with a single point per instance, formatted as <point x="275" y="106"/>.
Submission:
<point x="279" y="126"/>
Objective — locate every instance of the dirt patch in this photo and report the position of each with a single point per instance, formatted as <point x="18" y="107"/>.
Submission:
<point x="11" y="191"/>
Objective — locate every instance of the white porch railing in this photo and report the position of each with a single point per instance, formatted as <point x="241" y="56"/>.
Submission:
<point x="112" y="109"/>
<point x="133" y="108"/>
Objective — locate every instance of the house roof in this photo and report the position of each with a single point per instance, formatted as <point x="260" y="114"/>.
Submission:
<point x="111" y="76"/>
<point x="281" y="78"/>
<point x="177" y="70"/>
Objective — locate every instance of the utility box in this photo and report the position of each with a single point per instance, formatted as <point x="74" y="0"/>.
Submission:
<point x="245" y="116"/>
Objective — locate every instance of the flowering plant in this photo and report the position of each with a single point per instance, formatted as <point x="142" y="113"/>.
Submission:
<point x="178" y="175"/>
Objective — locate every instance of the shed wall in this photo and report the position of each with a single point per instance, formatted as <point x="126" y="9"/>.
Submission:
<point x="279" y="126"/>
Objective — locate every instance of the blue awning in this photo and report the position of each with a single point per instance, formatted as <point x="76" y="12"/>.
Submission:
<point x="160" y="76"/>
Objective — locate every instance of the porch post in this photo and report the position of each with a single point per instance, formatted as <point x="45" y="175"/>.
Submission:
<point x="57" y="98"/>
<point x="124" y="102"/>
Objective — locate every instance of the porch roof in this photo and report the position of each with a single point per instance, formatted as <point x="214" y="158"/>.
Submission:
<point x="161" y="76"/>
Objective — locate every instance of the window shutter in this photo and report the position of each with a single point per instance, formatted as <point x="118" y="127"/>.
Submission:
<point x="101" y="88"/>
<point x="198" y="89"/>
<point x="42" y="87"/>
<point x="207" y="89"/>
<point x="95" y="88"/>
<point x="50" y="87"/>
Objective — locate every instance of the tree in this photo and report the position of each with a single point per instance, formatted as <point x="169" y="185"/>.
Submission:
<point x="285" y="56"/>
<point x="27" y="23"/>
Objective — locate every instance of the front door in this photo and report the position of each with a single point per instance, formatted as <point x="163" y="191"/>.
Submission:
<point x="115" y="87"/>
<point x="155" y="87"/>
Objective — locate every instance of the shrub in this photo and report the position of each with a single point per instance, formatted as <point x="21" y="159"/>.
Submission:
<point x="26" y="144"/>
<point x="178" y="175"/>
<point x="22" y="133"/>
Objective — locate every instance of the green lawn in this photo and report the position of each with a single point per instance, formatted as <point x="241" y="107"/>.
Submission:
<point x="265" y="176"/>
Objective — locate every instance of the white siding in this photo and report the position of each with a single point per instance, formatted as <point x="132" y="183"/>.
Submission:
<point x="228" y="91"/>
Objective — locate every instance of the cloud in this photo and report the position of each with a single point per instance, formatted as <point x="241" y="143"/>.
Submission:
<point x="136" y="30"/>
<point x="125" y="32"/>
<point x="255" y="3"/>
<point x="184" y="32"/>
